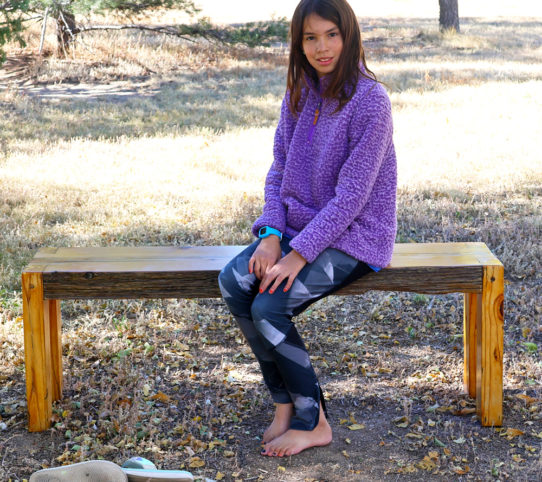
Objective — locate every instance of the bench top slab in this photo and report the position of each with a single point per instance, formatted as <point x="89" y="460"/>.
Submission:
<point x="191" y="272"/>
<point x="154" y="259"/>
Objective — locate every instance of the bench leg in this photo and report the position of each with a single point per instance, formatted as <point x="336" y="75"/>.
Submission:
<point x="37" y="352"/>
<point x="489" y="348"/>
<point x="55" y="322"/>
<point x="471" y="313"/>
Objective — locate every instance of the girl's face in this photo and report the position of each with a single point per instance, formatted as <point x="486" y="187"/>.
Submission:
<point x="322" y="43"/>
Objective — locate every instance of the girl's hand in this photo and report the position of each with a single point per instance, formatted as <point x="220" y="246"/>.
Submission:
<point x="265" y="256"/>
<point x="288" y="267"/>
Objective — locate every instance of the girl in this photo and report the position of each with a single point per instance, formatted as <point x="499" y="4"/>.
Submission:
<point x="329" y="214"/>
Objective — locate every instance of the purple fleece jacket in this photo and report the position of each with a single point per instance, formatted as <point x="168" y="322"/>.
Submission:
<point x="334" y="184"/>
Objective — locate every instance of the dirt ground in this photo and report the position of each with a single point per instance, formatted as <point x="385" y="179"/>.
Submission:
<point x="174" y="383"/>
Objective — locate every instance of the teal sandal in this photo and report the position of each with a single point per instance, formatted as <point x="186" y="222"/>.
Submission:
<point x="139" y="469"/>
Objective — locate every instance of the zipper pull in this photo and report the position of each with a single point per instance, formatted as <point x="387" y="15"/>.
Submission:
<point x="313" y="127"/>
<point x="317" y="113"/>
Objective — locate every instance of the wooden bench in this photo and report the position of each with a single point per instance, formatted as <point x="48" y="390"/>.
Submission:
<point x="56" y="274"/>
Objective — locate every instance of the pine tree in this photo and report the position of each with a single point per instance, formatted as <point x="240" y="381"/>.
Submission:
<point x="14" y="12"/>
<point x="12" y="15"/>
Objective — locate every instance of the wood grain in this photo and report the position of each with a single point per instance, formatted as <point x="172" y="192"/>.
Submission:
<point x="489" y="350"/>
<point x="37" y="351"/>
<point x="191" y="272"/>
<point x="472" y="311"/>
<point x="52" y="307"/>
<point x="196" y="258"/>
<point x="204" y="284"/>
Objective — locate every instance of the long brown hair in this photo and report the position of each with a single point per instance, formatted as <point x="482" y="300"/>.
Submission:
<point x="342" y="85"/>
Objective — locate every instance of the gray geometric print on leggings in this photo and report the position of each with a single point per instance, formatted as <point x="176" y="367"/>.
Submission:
<point x="269" y="332"/>
<point x="305" y="407"/>
<point x="266" y="322"/>
<point x="246" y="282"/>
<point x="225" y="293"/>
<point x="294" y="353"/>
<point x="253" y="338"/>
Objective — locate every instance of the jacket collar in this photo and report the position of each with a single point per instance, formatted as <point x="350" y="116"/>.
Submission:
<point x="318" y="87"/>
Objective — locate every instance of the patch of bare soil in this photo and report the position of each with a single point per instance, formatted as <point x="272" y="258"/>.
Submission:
<point x="116" y="91"/>
<point x="18" y="73"/>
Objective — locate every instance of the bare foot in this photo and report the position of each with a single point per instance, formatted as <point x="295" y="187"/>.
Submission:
<point x="280" y="423"/>
<point x="294" y="441"/>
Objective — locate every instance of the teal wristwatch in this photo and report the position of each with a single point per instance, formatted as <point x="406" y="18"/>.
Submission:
<point x="268" y="231"/>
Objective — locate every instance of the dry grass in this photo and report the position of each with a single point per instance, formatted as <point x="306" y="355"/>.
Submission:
<point x="172" y="148"/>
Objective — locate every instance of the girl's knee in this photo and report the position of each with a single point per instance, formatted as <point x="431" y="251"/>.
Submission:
<point x="259" y="308"/>
<point x="270" y="327"/>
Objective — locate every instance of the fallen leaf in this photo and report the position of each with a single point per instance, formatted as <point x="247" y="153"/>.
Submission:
<point x="413" y="435"/>
<point x="196" y="462"/>
<point x="460" y="440"/>
<point x="401" y="422"/>
<point x="427" y="464"/>
<point x="345" y="454"/>
<point x="465" y="411"/>
<point x="528" y="400"/>
<point x="356" y="426"/>
<point x="190" y="451"/>
<point x="511" y="433"/>
<point x="438" y="443"/>
<point x="219" y="476"/>
<point x="228" y="453"/>
<point x="460" y="471"/>
<point x="162" y="397"/>
<point x="531" y="347"/>
<point x="409" y="469"/>
<point x="216" y="443"/>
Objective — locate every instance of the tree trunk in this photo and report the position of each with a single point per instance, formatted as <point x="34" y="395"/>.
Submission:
<point x="449" y="15"/>
<point x="66" y="28"/>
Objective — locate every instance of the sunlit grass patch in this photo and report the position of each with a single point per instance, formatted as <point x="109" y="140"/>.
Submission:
<point x="210" y="101"/>
<point x="477" y="138"/>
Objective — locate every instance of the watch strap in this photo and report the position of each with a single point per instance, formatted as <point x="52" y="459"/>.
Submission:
<point x="266" y="231"/>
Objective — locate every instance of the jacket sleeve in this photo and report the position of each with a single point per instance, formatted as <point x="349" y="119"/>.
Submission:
<point x="372" y="132"/>
<point x="274" y="211"/>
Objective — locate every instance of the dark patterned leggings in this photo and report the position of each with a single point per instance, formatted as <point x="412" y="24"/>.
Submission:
<point x="266" y="321"/>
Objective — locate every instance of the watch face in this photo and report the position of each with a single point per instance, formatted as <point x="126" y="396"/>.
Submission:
<point x="263" y="231"/>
